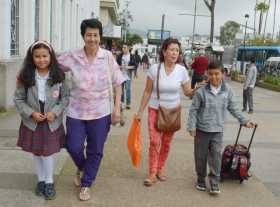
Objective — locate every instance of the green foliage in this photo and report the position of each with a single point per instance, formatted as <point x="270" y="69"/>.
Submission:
<point x="235" y="74"/>
<point x="260" y="41"/>
<point x="228" y="32"/>
<point x="272" y="80"/>
<point x="131" y="39"/>
<point x="262" y="6"/>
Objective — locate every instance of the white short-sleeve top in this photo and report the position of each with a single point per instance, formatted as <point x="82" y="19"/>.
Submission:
<point x="169" y="85"/>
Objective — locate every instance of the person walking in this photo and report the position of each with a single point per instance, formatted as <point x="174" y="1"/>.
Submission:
<point x="40" y="97"/>
<point x="172" y="78"/>
<point x="94" y="76"/>
<point x="127" y="64"/>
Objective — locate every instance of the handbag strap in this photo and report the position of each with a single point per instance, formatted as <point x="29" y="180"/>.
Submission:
<point x="158" y="70"/>
<point x="109" y="74"/>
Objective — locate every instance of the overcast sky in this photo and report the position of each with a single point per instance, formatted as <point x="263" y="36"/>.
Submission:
<point x="147" y="15"/>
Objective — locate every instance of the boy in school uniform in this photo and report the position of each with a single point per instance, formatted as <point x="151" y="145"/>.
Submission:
<point x="206" y="122"/>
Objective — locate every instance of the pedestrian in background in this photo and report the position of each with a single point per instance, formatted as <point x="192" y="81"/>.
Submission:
<point x="199" y="67"/>
<point x="172" y="78"/>
<point x="127" y="64"/>
<point x="145" y="60"/>
<point x="249" y="84"/>
<point x="206" y="122"/>
<point x="40" y="98"/>
<point x="137" y="61"/>
<point x="94" y="76"/>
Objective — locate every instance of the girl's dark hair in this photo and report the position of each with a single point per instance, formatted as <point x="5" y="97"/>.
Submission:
<point x="26" y="76"/>
<point x="165" y="45"/>
<point x="92" y="23"/>
<point x="216" y="64"/>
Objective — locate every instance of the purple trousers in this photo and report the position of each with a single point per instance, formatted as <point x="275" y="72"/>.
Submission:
<point x="94" y="132"/>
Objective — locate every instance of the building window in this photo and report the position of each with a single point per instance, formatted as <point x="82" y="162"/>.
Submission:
<point x="14" y="27"/>
<point x="37" y="18"/>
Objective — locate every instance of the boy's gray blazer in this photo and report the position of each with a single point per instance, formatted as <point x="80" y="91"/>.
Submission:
<point x="27" y="102"/>
<point x="208" y="111"/>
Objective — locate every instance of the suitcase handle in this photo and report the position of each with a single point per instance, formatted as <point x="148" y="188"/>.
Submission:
<point x="251" y="140"/>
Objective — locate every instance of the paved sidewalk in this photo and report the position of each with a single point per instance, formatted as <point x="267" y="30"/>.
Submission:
<point x="119" y="184"/>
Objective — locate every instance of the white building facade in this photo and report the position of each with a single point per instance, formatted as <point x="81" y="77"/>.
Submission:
<point x="56" y="21"/>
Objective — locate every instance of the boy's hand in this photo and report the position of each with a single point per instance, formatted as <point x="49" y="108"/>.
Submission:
<point x="38" y="117"/>
<point x="50" y="116"/>
<point x="250" y="124"/>
<point x="192" y="133"/>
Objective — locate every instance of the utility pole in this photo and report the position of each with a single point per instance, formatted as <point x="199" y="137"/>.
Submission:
<point x="162" y="28"/>
<point x="194" y="22"/>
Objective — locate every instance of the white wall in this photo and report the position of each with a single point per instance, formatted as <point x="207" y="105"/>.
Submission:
<point x="5" y="34"/>
<point x="60" y="27"/>
<point x="26" y="25"/>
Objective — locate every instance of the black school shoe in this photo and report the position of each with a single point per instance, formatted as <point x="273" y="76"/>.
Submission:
<point x="40" y="189"/>
<point x="200" y="185"/>
<point x="214" y="189"/>
<point x="49" y="191"/>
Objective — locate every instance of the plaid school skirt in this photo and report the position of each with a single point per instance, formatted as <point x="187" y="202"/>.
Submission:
<point x="42" y="141"/>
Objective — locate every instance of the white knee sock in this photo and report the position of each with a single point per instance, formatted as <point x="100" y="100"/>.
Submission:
<point x="39" y="168"/>
<point x="48" y="164"/>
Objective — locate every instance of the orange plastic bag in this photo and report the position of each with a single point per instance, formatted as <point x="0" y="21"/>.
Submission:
<point x="134" y="142"/>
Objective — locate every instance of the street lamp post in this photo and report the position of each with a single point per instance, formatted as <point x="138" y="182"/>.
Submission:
<point x="244" y="43"/>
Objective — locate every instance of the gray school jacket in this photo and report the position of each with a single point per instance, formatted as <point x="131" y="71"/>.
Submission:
<point x="27" y="102"/>
<point x="208" y="111"/>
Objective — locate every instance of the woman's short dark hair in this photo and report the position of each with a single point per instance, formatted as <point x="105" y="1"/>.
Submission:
<point x="216" y="64"/>
<point x="165" y="45"/>
<point x="92" y="23"/>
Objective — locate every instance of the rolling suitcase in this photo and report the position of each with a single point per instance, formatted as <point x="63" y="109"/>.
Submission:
<point x="236" y="159"/>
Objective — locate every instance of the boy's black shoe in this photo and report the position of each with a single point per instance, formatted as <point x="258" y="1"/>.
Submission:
<point x="40" y="188"/>
<point x="214" y="189"/>
<point x="201" y="185"/>
<point x="250" y="112"/>
<point x="49" y="191"/>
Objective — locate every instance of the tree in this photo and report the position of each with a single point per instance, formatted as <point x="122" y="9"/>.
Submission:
<point x="262" y="8"/>
<point x="228" y="32"/>
<point x="265" y="22"/>
<point x="211" y="6"/>
<point x="274" y="17"/>
<point x="131" y="40"/>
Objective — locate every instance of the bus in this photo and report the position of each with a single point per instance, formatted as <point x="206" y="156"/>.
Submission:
<point x="261" y="53"/>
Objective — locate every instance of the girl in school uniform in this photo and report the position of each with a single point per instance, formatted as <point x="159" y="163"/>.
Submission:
<point x="40" y="98"/>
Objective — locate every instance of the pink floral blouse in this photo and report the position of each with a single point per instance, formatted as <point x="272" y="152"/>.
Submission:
<point x="89" y="83"/>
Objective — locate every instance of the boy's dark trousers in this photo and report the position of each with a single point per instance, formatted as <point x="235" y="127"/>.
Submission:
<point x="208" y="147"/>
<point x="248" y="98"/>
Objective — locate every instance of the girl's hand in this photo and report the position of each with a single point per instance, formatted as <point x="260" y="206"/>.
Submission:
<point x="50" y="116"/>
<point x="38" y="117"/>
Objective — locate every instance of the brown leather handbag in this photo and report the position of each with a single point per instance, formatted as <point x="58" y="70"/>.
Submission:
<point x="168" y="119"/>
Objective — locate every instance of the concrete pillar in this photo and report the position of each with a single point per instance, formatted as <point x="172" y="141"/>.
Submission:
<point x="26" y="25"/>
<point x="5" y="28"/>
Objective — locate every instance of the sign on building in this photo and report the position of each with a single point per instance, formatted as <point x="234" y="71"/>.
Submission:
<point x="154" y="36"/>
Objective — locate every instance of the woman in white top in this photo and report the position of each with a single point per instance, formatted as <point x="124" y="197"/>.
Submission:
<point x="172" y="78"/>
